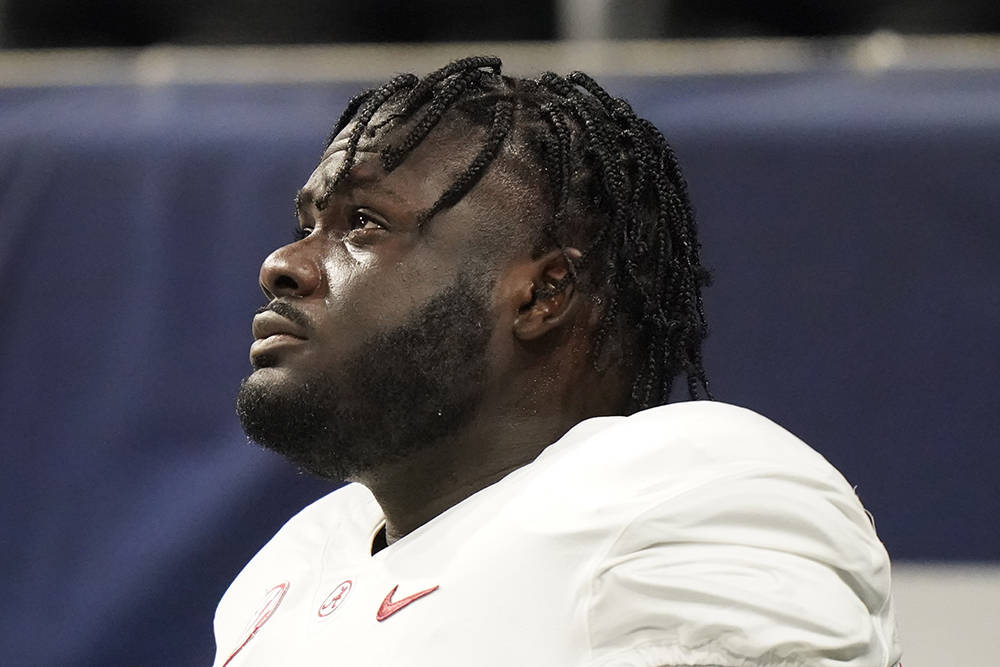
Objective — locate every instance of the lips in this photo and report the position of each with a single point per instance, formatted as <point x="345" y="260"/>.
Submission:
<point x="275" y="336"/>
<point x="269" y="324"/>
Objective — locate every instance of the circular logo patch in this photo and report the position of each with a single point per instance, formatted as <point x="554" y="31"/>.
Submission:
<point x="335" y="598"/>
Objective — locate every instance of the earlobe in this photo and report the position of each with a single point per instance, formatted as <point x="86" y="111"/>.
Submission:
<point x="549" y="299"/>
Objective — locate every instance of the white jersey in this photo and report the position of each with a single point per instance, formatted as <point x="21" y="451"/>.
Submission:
<point x="689" y="534"/>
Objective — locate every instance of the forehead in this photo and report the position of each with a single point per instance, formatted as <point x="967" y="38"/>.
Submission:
<point x="447" y="140"/>
<point x="434" y="164"/>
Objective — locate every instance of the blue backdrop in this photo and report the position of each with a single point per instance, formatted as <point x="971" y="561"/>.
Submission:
<point x="852" y="222"/>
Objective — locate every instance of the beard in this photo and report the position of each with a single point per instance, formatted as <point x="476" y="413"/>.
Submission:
<point x="402" y="391"/>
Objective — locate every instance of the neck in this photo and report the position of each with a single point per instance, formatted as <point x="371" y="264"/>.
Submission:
<point x="509" y="430"/>
<point x="414" y="490"/>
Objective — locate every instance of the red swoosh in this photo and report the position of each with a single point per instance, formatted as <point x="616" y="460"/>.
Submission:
<point x="388" y="607"/>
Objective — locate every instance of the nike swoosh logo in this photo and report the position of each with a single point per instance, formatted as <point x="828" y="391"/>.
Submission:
<point x="388" y="607"/>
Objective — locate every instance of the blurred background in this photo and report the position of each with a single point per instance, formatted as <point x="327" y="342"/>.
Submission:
<point x="842" y="157"/>
<point x="57" y="23"/>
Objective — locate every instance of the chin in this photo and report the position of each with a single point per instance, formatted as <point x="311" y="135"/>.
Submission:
<point x="275" y="392"/>
<point x="293" y="419"/>
<point x="273" y="377"/>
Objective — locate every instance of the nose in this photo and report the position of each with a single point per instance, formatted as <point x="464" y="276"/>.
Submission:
<point x="290" y="271"/>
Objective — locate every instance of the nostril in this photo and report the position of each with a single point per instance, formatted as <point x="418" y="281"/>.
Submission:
<point x="289" y="271"/>
<point x="285" y="282"/>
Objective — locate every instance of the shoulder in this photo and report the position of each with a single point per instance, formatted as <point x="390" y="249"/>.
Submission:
<point x="676" y="448"/>
<point x="742" y="542"/>
<point x="712" y="473"/>
<point x="711" y="433"/>
<point x="348" y="512"/>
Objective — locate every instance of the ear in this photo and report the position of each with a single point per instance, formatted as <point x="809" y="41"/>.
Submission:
<point x="547" y="294"/>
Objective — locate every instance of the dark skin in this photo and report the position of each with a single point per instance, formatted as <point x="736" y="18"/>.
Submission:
<point x="366" y="262"/>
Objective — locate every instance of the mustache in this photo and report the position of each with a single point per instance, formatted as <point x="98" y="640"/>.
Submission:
<point x="288" y="311"/>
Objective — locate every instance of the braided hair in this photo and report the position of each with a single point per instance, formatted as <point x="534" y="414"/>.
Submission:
<point x="616" y="192"/>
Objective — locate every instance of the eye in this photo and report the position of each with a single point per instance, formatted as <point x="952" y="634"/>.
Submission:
<point x="364" y="221"/>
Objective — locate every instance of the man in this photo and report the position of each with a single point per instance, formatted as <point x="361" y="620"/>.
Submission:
<point x="488" y="274"/>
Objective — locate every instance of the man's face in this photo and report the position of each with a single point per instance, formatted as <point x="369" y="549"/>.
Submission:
<point x="376" y="340"/>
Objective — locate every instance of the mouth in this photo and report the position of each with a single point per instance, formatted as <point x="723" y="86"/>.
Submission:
<point x="271" y="332"/>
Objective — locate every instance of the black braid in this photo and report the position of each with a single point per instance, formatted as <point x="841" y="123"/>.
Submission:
<point x="617" y="193"/>
<point x="503" y="116"/>
<point x="426" y="86"/>
<point x="345" y="117"/>
<point x="675" y="213"/>
<point x="442" y="101"/>
<point x="613" y="178"/>
<point x="368" y="107"/>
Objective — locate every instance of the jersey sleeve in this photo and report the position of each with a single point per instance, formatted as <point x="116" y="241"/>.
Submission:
<point x="769" y="568"/>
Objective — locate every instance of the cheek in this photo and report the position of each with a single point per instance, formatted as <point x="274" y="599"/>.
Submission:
<point x="370" y="292"/>
<point x="344" y="277"/>
<point x="503" y="345"/>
